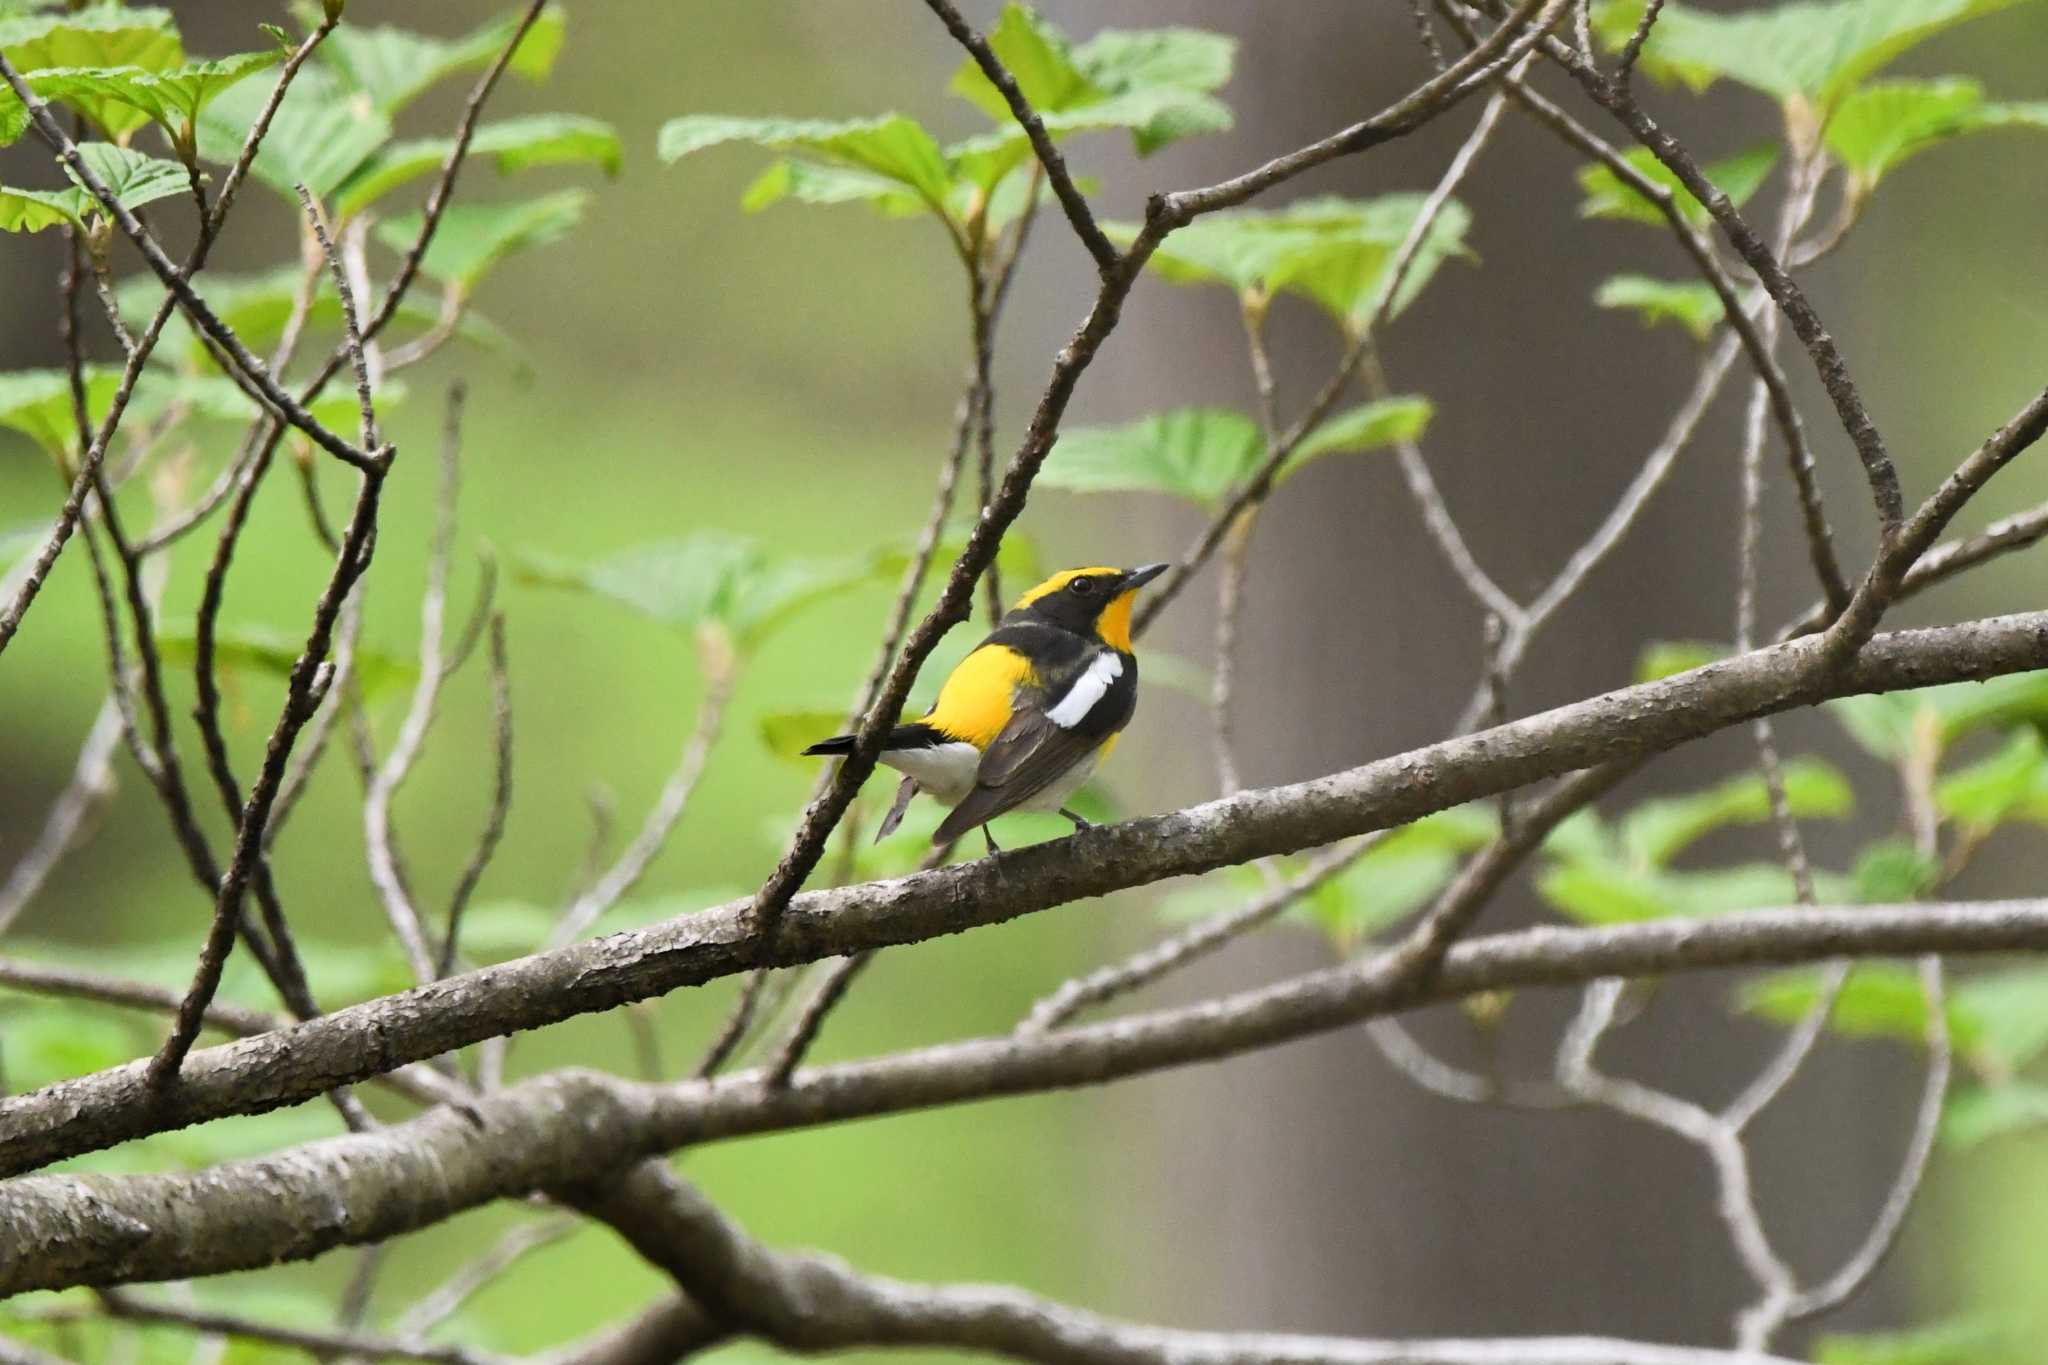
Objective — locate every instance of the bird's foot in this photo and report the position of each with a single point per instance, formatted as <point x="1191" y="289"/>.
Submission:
<point x="1080" y="823"/>
<point x="991" y="840"/>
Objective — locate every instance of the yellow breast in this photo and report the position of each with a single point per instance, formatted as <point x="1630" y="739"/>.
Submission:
<point x="975" y="702"/>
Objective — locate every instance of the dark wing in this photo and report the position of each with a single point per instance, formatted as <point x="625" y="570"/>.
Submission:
<point x="1024" y="759"/>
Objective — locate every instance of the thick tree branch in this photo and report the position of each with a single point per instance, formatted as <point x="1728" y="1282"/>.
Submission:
<point x="552" y="1132"/>
<point x="530" y="992"/>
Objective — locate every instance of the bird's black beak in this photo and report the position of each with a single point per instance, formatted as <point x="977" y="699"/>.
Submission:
<point x="1140" y="576"/>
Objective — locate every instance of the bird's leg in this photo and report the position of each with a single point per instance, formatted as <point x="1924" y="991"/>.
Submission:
<point x="991" y="840"/>
<point x="1079" y="822"/>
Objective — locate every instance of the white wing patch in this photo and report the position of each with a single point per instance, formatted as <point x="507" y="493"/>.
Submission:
<point x="1087" y="690"/>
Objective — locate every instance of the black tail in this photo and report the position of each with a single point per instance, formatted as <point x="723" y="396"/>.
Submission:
<point x="912" y="736"/>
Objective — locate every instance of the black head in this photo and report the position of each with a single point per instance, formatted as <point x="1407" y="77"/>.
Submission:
<point x="1095" y="602"/>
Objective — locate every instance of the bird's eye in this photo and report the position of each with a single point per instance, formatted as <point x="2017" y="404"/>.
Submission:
<point x="1082" y="587"/>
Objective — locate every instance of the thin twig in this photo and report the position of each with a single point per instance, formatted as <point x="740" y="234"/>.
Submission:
<point x="811" y="1019"/>
<point x="120" y="1304"/>
<point x="91" y="785"/>
<point x="447" y="1299"/>
<point x="501" y="794"/>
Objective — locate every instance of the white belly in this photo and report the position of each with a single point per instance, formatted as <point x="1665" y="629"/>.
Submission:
<point x="944" y="770"/>
<point x="947" y="771"/>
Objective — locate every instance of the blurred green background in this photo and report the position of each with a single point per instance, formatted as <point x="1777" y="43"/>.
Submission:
<point x="791" y="375"/>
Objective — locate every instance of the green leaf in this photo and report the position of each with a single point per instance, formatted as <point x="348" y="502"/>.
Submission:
<point x="1656" y="831"/>
<point x="1689" y="303"/>
<point x="472" y="238"/>
<point x="514" y="144"/>
<point x="392" y="67"/>
<point x="1813" y="51"/>
<point x="1880" y="1000"/>
<point x="121" y="98"/>
<point x="810" y="183"/>
<point x="107" y="35"/>
<point x="318" y="137"/>
<point x="1154" y="82"/>
<point x="1155" y="117"/>
<point x="134" y="178"/>
<point x="1196" y="453"/>
<point x="1038" y="56"/>
<point x="37" y="403"/>
<point x="257" y="307"/>
<point x="712" y="579"/>
<point x="1738" y="177"/>
<point x="1984" y="1112"/>
<point x="892" y="146"/>
<point x="215" y="397"/>
<point x="1881" y="723"/>
<point x="1122" y="60"/>
<point x="2008" y="1010"/>
<point x="269" y="651"/>
<point x="1600" y="892"/>
<point x="1892" y="870"/>
<point x="1959" y="1341"/>
<point x="1987" y="792"/>
<point x="1369" y="426"/>
<point x="1338" y="253"/>
<point x="1666" y="657"/>
<point x="1205" y="454"/>
<point x="1878" y="126"/>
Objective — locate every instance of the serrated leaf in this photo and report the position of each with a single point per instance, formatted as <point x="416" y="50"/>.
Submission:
<point x="320" y="134"/>
<point x="1879" y="1000"/>
<point x="1666" y="657"/>
<point x="1814" y="51"/>
<point x="472" y="238"/>
<point x="1878" y="126"/>
<point x="1656" y="831"/>
<point x="810" y="183"/>
<point x="512" y="144"/>
<point x="106" y="35"/>
<point x="122" y="98"/>
<point x="1738" y="177"/>
<point x="1368" y="426"/>
<point x="1197" y="453"/>
<point x="1987" y="792"/>
<point x="37" y="403"/>
<point x="892" y="146"/>
<point x="1155" y="117"/>
<point x="1882" y="723"/>
<point x="391" y="66"/>
<point x="1037" y="55"/>
<point x="1120" y="60"/>
<point x="1892" y="870"/>
<point x="214" y="397"/>
<point x="134" y="178"/>
<point x="2008" y="1009"/>
<point x="1983" y="1112"/>
<point x="1689" y="303"/>
<point x="709" y="579"/>
<point x="272" y="652"/>
<point x="1204" y="454"/>
<point x="257" y="307"/>
<point x="1338" y="253"/>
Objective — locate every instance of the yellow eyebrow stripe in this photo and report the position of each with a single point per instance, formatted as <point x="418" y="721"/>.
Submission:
<point x="975" y="702"/>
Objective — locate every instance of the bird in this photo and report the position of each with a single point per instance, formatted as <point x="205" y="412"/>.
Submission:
<point x="1026" y="718"/>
